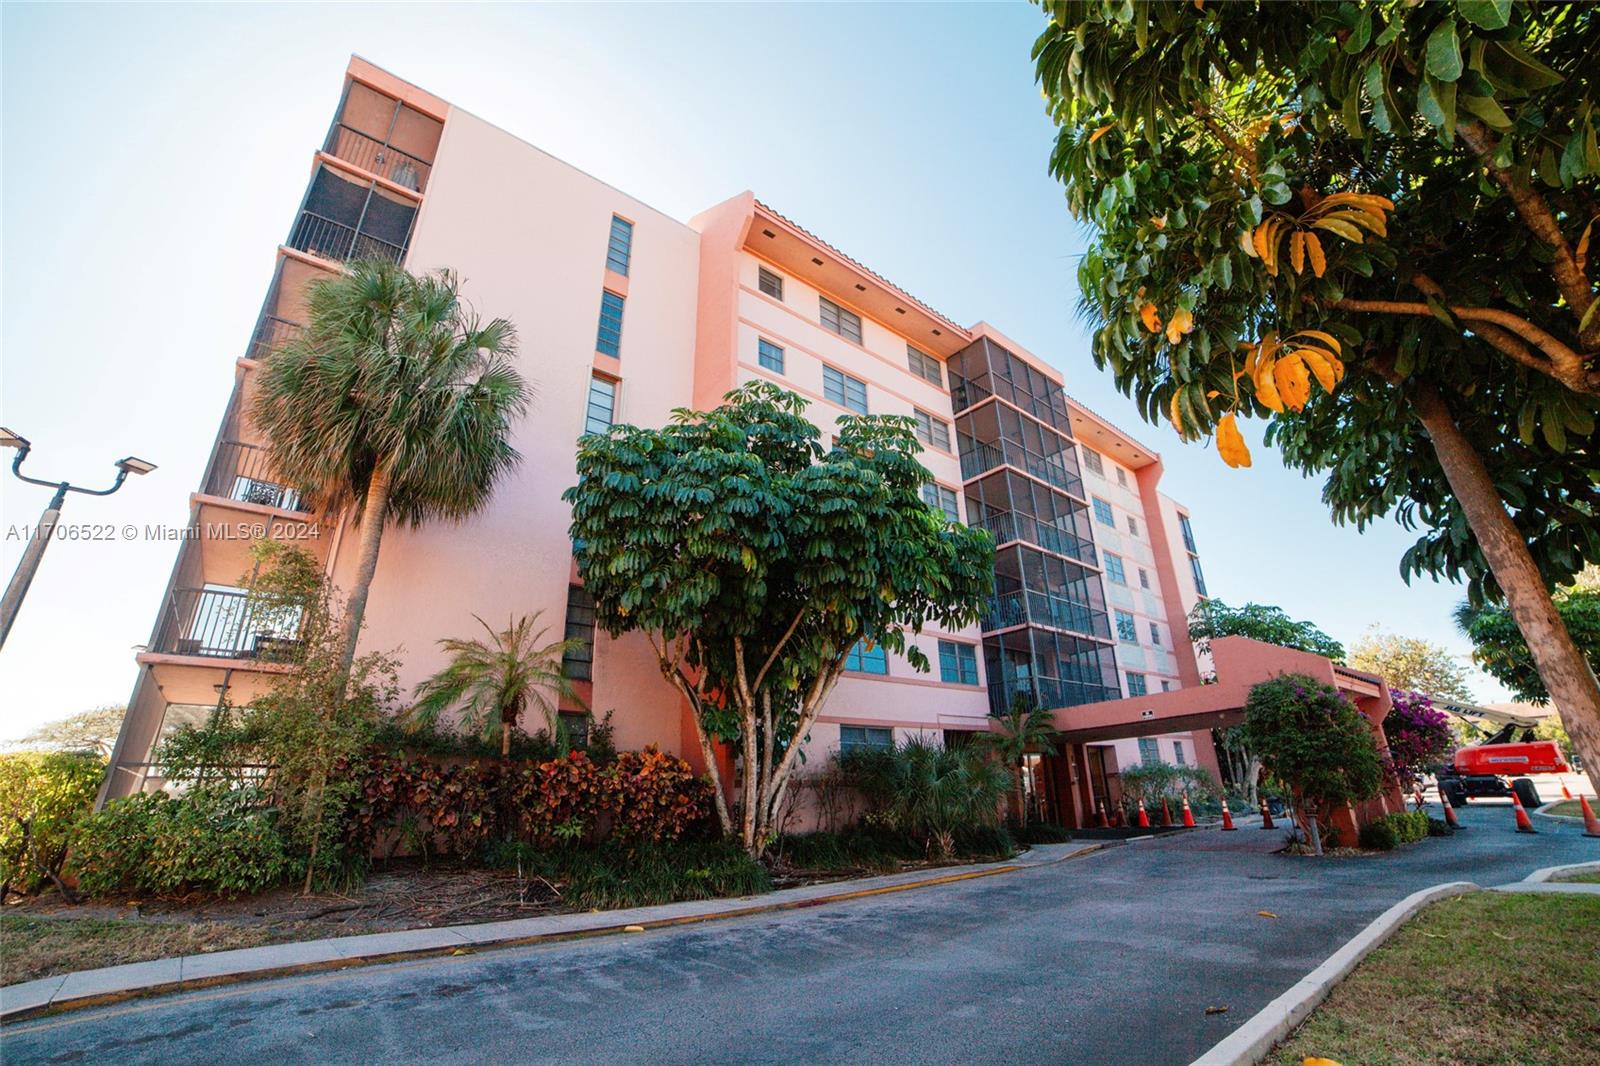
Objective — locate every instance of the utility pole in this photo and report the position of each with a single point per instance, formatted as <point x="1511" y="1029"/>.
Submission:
<point x="42" y="535"/>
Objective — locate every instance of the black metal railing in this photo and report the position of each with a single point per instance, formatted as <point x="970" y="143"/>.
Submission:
<point x="1048" y="692"/>
<point x="980" y="457"/>
<point x="1007" y="526"/>
<point x="271" y="333"/>
<point x="244" y="472"/>
<point x="1041" y="608"/>
<point x="334" y="240"/>
<point x="227" y="624"/>
<point x="375" y="157"/>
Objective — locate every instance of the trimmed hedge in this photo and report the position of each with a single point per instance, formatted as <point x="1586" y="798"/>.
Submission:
<point x="1392" y="830"/>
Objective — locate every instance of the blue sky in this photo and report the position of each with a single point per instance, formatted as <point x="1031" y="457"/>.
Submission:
<point x="153" y="156"/>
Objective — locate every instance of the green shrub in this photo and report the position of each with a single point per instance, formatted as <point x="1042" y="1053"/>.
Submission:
<point x="868" y="847"/>
<point x="221" y="840"/>
<point x="1044" y="833"/>
<point x="619" y="874"/>
<point x="930" y="792"/>
<point x="42" y="796"/>
<point x="1392" y="830"/>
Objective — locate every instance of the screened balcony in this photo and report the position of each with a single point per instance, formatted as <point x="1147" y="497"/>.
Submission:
<point x="1032" y="588"/>
<point x="1047" y="670"/>
<point x="217" y="622"/>
<point x="344" y="220"/>
<point x="384" y="137"/>
<point x="983" y="369"/>
<point x="995" y="435"/>
<point x="244" y="472"/>
<point x="1011" y="507"/>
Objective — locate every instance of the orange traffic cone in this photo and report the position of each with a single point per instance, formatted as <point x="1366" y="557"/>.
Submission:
<point x="1227" y="819"/>
<point x="1417" y="794"/>
<point x="1449" y="812"/>
<point x="1188" y="815"/>
<point x="1591" y="824"/>
<point x="1166" y="812"/>
<point x="1564" y="793"/>
<point x="1144" y="819"/>
<point x="1105" y="823"/>
<point x="1266" y="815"/>
<point x="1524" y="823"/>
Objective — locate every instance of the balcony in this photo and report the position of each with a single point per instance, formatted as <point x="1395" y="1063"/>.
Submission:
<point x="222" y="623"/>
<point x="243" y="472"/>
<point x="378" y="157"/>
<point x="1048" y="692"/>
<point x="1026" y="606"/>
<point x="271" y="334"/>
<point x="1007" y="526"/>
<point x="978" y="458"/>
<point x="324" y="237"/>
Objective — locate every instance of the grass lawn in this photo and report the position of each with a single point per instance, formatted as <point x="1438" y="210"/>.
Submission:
<point x="1490" y="979"/>
<point x="1587" y="879"/>
<point x="38" y="947"/>
<point x="1565" y="808"/>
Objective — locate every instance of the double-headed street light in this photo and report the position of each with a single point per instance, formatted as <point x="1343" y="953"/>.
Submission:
<point x="39" y="538"/>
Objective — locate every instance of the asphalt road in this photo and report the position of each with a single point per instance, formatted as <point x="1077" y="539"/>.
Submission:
<point x="1110" y="958"/>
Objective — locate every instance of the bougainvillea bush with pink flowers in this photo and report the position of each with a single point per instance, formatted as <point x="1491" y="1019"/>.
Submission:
<point x="1418" y="733"/>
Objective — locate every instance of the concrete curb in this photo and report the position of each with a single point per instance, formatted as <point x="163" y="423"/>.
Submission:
<point x="1250" y="1043"/>
<point x="114" y="984"/>
<point x="1550" y="873"/>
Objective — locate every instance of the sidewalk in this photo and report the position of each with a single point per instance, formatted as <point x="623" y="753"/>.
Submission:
<point x="113" y="983"/>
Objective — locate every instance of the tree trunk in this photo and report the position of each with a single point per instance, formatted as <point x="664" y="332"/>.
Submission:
<point x="1562" y="667"/>
<point x="373" y="516"/>
<point x="505" y="739"/>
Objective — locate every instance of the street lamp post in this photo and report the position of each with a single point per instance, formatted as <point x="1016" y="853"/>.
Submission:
<point x="47" y="522"/>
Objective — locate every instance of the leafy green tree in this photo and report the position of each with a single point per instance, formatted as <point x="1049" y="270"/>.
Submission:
<point x="1369" y="222"/>
<point x="493" y="681"/>
<point x="1500" y="650"/>
<point x="753" y="561"/>
<point x="1258" y="621"/>
<point x="1314" y="741"/>
<point x="1411" y="663"/>
<point x="396" y="402"/>
<point x="92" y="731"/>
<point x="1025" y="729"/>
<point x="42" y="797"/>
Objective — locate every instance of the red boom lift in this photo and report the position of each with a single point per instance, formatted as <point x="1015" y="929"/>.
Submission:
<point x="1499" y="766"/>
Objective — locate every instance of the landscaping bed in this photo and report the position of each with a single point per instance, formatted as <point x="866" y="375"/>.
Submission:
<point x="1490" y="978"/>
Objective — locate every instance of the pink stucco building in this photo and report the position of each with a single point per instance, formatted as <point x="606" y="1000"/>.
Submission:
<point x="625" y="314"/>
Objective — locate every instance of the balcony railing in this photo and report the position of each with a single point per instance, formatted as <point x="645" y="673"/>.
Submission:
<point x="243" y="472"/>
<point x="979" y="458"/>
<point x="1009" y="525"/>
<point x="227" y="624"/>
<point x="375" y="157"/>
<point x="335" y="240"/>
<point x="271" y="333"/>
<point x="1040" y="608"/>
<point x="1049" y="692"/>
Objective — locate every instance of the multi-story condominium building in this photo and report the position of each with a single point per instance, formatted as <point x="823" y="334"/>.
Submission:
<point x="624" y="315"/>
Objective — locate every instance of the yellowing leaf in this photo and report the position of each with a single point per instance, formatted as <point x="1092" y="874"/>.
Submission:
<point x="1320" y="367"/>
<point x="1175" y="414"/>
<point x="1159" y="222"/>
<point x="1247" y="244"/>
<point x="1230" y="442"/>
<point x="1340" y="228"/>
<point x="1312" y="1061"/>
<point x="1101" y="132"/>
<point x="1258" y="239"/>
<point x="1293" y="380"/>
<point x="1181" y="323"/>
<point x="1151" y="318"/>
<point x="1319" y="262"/>
<point x="1266" y="914"/>
<point x="1297" y="252"/>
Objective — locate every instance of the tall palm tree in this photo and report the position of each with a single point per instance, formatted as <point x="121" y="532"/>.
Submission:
<point x="396" y="402"/>
<point x="493" y="681"/>
<point x="1024" y="729"/>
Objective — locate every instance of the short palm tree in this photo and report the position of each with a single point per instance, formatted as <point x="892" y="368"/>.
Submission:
<point x="1025" y="729"/>
<point x="493" y="681"/>
<point x="395" y="401"/>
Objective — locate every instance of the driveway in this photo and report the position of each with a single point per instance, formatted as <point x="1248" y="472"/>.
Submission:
<point x="1110" y="958"/>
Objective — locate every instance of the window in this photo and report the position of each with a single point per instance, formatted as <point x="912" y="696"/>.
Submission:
<point x="1136" y="685"/>
<point x="1177" y="753"/>
<point x="602" y="405"/>
<point x="1166" y="686"/>
<point x="873" y="660"/>
<point x="1199" y="578"/>
<point x="932" y="431"/>
<point x="1126" y="627"/>
<point x="1122" y="477"/>
<point x="958" y="663"/>
<point x="846" y="324"/>
<point x="578" y="662"/>
<point x="1155" y="634"/>
<point x="769" y="355"/>
<point x="576" y="726"/>
<point x="864" y="738"/>
<point x="1188" y="532"/>
<point x="1091" y="459"/>
<point x="1144" y="578"/>
<point x="771" y="284"/>
<point x="844" y="390"/>
<point x="620" y="248"/>
<point x="610" y="339"/>
<point x="1149" y="751"/>
<point x="940" y="498"/>
<point x="1103" y="513"/>
<point x="1133" y="525"/>
<point x="924" y="366"/>
<point x="958" y="738"/>
<point x="1114" y="569"/>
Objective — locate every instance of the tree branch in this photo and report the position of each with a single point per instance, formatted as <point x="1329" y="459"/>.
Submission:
<point x="673" y="672"/>
<point x="761" y="675"/>
<point x="1537" y="216"/>
<point x="1247" y="157"/>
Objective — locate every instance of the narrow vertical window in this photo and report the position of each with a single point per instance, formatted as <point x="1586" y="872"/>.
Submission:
<point x="619" y="249"/>
<point x="1155" y="634"/>
<point x="770" y="283"/>
<point x="1122" y="476"/>
<point x="1133" y="525"/>
<point x="602" y="408"/>
<point x="609" y="340"/>
<point x="577" y="662"/>
<point x="769" y="355"/>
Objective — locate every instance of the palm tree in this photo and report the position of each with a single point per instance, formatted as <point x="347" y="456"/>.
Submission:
<point x="395" y="402"/>
<point x="495" y="680"/>
<point x="1024" y="729"/>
